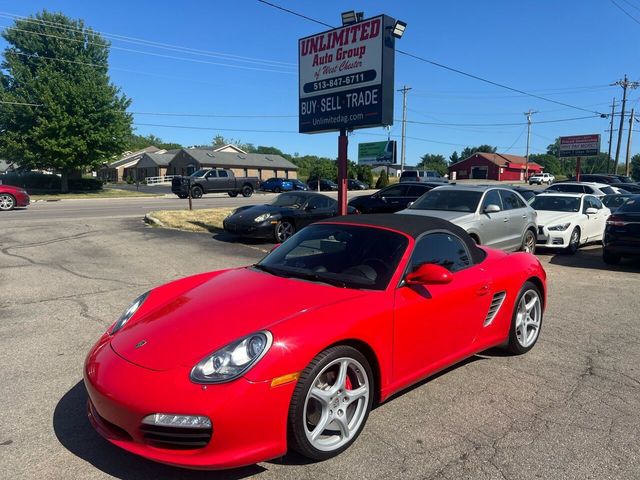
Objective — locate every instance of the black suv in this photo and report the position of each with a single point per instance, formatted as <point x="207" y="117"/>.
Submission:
<point x="392" y="198"/>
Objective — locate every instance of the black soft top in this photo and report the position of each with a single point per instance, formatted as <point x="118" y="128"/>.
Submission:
<point x="414" y="226"/>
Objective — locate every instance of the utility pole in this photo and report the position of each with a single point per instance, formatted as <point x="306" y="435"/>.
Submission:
<point x="624" y="83"/>
<point x="526" y="168"/>
<point x="404" y="91"/>
<point x="613" y="112"/>
<point x="627" y="165"/>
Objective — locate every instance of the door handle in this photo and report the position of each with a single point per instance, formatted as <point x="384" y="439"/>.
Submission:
<point x="483" y="290"/>
<point x="524" y="216"/>
<point x="505" y="219"/>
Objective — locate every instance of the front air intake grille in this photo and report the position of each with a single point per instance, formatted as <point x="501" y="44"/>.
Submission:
<point x="540" y="229"/>
<point x="176" y="438"/>
<point x="496" y="303"/>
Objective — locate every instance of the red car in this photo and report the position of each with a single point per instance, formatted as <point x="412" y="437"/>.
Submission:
<point x="213" y="371"/>
<point x="11" y="197"/>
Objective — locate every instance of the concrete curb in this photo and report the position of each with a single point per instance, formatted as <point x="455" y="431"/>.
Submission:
<point x="153" y="221"/>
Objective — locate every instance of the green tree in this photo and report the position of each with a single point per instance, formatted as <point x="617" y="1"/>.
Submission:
<point x="435" y="162"/>
<point x="383" y="179"/>
<point x="550" y="163"/>
<point x="468" y="151"/>
<point x="554" y="148"/>
<point x="138" y="142"/>
<point x="454" y="158"/>
<point x="80" y="118"/>
<point x="220" y="141"/>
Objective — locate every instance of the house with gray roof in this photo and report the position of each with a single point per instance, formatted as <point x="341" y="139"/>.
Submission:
<point x="260" y="165"/>
<point x="151" y="165"/>
<point x="115" y="171"/>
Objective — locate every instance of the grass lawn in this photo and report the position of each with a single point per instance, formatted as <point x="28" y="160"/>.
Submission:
<point x="204" y="220"/>
<point x="104" y="193"/>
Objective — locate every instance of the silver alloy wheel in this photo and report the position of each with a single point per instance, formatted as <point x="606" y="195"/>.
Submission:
<point x="528" y="318"/>
<point x="529" y="244"/>
<point x="574" y="241"/>
<point x="284" y="230"/>
<point x="336" y="404"/>
<point x="6" y="202"/>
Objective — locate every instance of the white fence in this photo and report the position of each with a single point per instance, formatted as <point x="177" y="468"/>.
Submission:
<point x="159" y="180"/>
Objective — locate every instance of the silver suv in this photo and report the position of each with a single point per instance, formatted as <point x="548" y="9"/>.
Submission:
<point x="422" y="176"/>
<point x="494" y="216"/>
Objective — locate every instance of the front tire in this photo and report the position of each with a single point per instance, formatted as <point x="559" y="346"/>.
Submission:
<point x="232" y="194"/>
<point x="247" y="191"/>
<point x="283" y="230"/>
<point x="526" y="320"/>
<point x="528" y="242"/>
<point x="331" y="403"/>
<point x="7" y="202"/>
<point x="277" y="190"/>
<point x="574" y="241"/>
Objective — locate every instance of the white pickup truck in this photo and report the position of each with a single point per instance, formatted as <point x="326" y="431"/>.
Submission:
<point x="540" y="178"/>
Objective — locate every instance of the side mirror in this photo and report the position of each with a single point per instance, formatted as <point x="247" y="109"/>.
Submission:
<point x="591" y="211"/>
<point x="491" y="208"/>
<point x="308" y="208"/>
<point x="429" y="274"/>
<point x="409" y="204"/>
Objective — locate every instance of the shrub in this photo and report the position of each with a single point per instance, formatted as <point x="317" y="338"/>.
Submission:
<point x="46" y="183"/>
<point x="383" y="180"/>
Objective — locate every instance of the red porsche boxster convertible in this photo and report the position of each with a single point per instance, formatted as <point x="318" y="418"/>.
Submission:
<point x="211" y="371"/>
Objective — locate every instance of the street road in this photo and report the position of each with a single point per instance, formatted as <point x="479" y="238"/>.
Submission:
<point x="133" y="206"/>
<point x="569" y="409"/>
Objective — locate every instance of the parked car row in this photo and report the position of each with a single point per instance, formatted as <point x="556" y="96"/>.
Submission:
<point x="12" y="197"/>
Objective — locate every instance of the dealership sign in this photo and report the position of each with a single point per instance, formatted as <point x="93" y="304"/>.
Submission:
<point x="579" y="146"/>
<point x="346" y="77"/>
<point x="377" y="152"/>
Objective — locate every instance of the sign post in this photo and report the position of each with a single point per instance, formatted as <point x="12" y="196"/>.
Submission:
<point x="346" y="82"/>
<point x="579" y="146"/>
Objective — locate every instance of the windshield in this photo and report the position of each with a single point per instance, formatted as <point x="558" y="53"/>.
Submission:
<point x="607" y="190"/>
<point x="556" y="203"/>
<point x="346" y="256"/>
<point x="293" y="200"/>
<point x="198" y="173"/>
<point x="448" y="199"/>
<point x="632" y="205"/>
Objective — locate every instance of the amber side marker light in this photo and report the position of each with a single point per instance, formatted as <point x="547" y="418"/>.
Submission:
<point x="288" y="378"/>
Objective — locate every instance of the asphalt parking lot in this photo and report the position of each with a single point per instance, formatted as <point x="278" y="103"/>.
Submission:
<point x="569" y="409"/>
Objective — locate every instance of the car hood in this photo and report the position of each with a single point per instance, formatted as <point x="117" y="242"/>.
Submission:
<point x="454" y="217"/>
<point x="548" y="217"/>
<point x="181" y="330"/>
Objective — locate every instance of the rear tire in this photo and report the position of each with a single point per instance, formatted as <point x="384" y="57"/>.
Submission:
<point x="232" y="194"/>
<point x="7" y="202"/>
<point x="331" y="403"/>
<point x="196" y="192"/>
<point x="610" y="258"/>
<point x="526" y="320"/>
<point x="182" y="195"/>
<point x="247" y="191"/>
<point x="528" y="242"/>
<point x="277" y="190"/>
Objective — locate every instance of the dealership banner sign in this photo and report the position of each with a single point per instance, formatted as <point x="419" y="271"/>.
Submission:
<point x="377" y="152"/>
<point x="346" y="77"/>
<point x="579" y="146"/>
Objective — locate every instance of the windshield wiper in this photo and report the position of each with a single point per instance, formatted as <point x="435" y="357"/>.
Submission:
<point x="273" y="271"/>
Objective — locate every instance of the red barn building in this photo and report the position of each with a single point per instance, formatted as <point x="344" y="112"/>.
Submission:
<point x="493" y="166"/>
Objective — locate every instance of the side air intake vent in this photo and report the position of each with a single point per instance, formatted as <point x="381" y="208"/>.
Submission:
<point x="496" y="303"/>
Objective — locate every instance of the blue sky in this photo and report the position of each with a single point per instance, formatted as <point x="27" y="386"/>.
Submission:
<point x="569" y="51"/>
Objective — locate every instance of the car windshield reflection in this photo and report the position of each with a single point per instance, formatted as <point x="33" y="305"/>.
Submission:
<point x="556" y="204"/>
<point x="448" y="199"/>
<point x="346" y="256"/>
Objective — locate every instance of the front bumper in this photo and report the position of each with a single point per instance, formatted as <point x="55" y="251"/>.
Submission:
<point x="553" y="239"/>
<point x="258" y="230"/>
<point x="249" y="419"/>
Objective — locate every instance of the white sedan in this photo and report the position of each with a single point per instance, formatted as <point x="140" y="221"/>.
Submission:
<point x="568" y="220"/>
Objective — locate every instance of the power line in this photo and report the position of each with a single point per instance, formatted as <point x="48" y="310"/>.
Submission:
<point x="155" y="54"/>
<point x="188" y="127"/>
<point x="631" y="4"/>
<point x="500" y="124"/>
<point x="446" y="67"/>
<point x="515" y="141"/>
<point x="151" y="43"/>
<point x="625" y="12"/>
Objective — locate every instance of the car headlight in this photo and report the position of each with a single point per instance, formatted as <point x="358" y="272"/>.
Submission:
<point x="262" y="218"/>
<point x="559" y="228"/>
<point x="232" y="361"/>
<point x="129" y="312"/>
